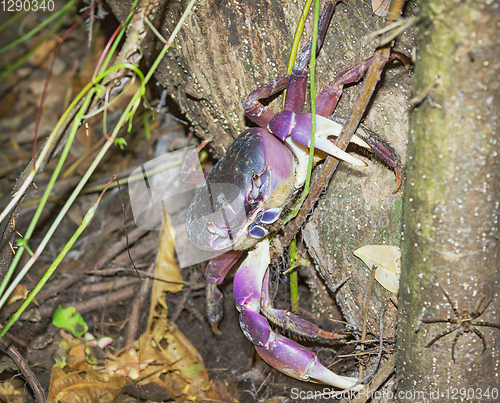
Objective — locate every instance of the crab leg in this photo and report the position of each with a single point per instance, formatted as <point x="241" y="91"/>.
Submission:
<point x="278" y="351"/>
<point x="296" y="90"/>
<point x="291" y="322"/>
<point x="327" y="100"/>
<point x="380" y="148"/>
<point x="257" y="112"/>
<point x="294" y="83"/>
<point x="215" y="272"/>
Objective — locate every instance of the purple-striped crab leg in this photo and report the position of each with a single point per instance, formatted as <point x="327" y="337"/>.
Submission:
<point x="278" y="351"/>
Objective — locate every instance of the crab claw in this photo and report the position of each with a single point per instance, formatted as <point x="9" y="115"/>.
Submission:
<point x="298" y="362"/>
<point x="278" y="351"/>
<point x="287" y="123"/>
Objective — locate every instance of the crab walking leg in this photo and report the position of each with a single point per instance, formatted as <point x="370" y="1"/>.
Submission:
<point x="255" y="110"/>
<point x="295" y="83"/>
<point x="215" y="272"/>
<point x="296" y="90"/>
<point x="278" y="351"/>
<point x="291" y="322"/>
<point x="327" y="101"/>
<point x="380" y="148"/>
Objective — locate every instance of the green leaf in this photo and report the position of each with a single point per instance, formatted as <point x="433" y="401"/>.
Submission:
<point x="121" y="142"/>
<point x="68" y="318"/>
<point x="59" y="354"/>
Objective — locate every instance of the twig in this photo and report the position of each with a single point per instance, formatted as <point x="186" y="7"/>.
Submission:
<point x="24" y="367"/>
<point x="118" y="270"/>
<point x="102" y="286"/>
<point x="96" y="302"/>
<point x="49" y="291"/>
<point x="136" y="310"/>
<point x="365" y="314"/>
<point x="120" y="246"/>
<point x="386" y="370"/>
<point x="180" y="306"/>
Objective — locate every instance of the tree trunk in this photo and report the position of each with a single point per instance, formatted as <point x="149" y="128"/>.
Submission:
<point x="226" y="50"/>
<point x="451" y="237"/>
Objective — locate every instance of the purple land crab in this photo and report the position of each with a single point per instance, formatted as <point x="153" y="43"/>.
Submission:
<point x="243" y="197"/>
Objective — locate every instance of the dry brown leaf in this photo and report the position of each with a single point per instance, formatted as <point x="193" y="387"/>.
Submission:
<point x="10" y="394"/>
<point x="19" y="293"/>
<point x="75" y="356"/>
<point x="163" y="355"/>
<point x="83" y="387"/>
<point x="165" y="267"/>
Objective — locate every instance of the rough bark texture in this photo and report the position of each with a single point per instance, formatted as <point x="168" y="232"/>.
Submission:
<point x="452" y="198"/>
<point x="227" y="49"/>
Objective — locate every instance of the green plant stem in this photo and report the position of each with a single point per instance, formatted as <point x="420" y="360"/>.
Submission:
<point x="78" y="119"/>
<point x="12" y="19"/>
<point x="296" y="40"/>
<point x="312" y="65"/>
<point x="294" y="280"/>
<point x="86" y="220"/>
<point x="116" y="41"/>
<point x="41" y="205"/>
<point x="128" y="113"/>
<point x="294" y="285"/>
<point x="131" y="107"/>
<point x="170" y="40"/>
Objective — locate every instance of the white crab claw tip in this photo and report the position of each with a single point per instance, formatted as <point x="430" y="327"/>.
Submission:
<point x="357" y="162"/>
<point x="360" y="142"/>
<point x="330" y="148"/>
<point x="342" y="155"/>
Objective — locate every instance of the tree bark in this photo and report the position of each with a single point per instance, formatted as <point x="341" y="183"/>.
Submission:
<point x="226" y="50"/>
<point x="451" y="237"/>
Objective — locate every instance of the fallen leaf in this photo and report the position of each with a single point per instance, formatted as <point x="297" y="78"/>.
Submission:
<point x="86" y="386"/>
<point x="10" y="394"/>
<point x="388" y="261"/>
<point x="381" y="7"/>
<point x="68" y="318"/>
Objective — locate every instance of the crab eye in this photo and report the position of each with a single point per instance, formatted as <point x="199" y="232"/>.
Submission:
<point x="256" y="184"/>
<point x="256" y="180"/>
<point x="258" y="232"/>
<point x="269" y="216"/>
